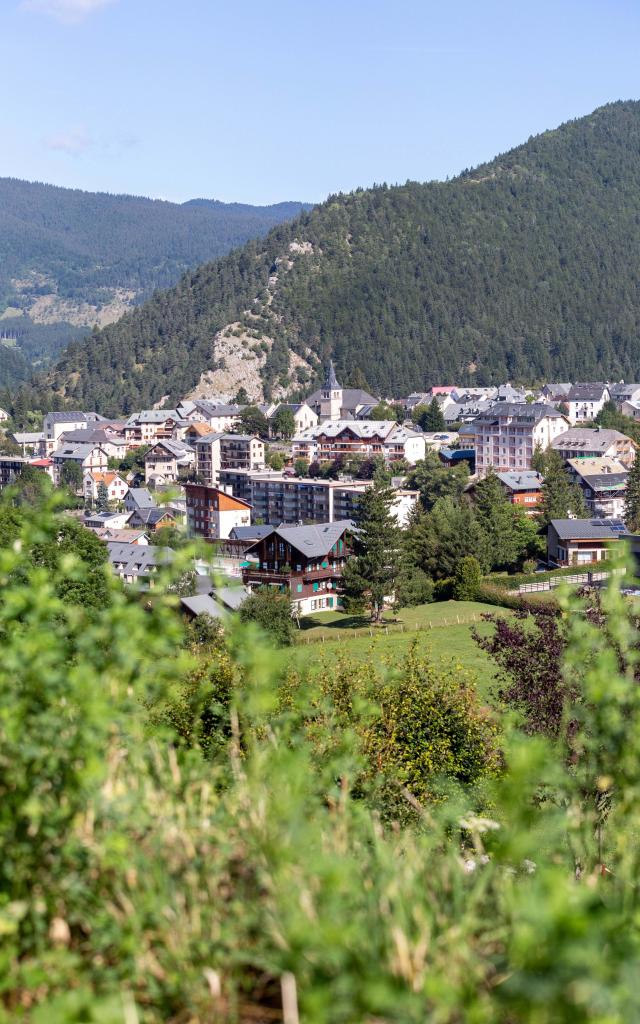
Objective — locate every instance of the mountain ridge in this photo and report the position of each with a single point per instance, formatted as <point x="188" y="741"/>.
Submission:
<point x="519" y="268"/>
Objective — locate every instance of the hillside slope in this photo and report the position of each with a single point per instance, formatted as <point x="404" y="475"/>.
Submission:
<point x="72" y="259"/>
<point x="526" y="267"/>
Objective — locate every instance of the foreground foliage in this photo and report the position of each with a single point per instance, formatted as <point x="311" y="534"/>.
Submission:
<point x="187" y="836"/>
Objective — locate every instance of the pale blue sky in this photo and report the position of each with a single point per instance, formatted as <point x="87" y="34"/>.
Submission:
<point x="259" y="102"/>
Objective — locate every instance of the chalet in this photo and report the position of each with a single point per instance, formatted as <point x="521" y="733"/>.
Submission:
<point x="152" y="519"/>
<point x="166" y="461"/>
<point x="137" y="498"/>
<point x="218" y="417"/>
<point x="212" y="513"/>
<point x="304" y="561"/>
<point x="622" y="393"/>
<point x="603" y="482"/>
<point x="524" y="489"/>
<point x="587" y="442"/>
<point x="137" y="563"/>
<point x="582" y="541"/>
<point x="112" y="442"/>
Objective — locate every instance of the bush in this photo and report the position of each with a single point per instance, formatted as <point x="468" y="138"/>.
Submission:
<point x="467" y="579"/>
<point x="271" y="610"/>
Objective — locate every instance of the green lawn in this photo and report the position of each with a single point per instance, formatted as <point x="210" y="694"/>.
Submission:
<point x="442" y="632"/>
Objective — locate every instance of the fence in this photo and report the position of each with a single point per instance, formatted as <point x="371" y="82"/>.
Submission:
<point x="585" y="579"/>
<point x="335" y="635"/>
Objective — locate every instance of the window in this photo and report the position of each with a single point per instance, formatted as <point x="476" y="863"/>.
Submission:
<point x="299" y="588"/>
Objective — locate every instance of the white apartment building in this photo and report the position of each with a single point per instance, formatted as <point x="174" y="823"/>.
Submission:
<point x="227" y="451"/>
<point x="507" y="435"/>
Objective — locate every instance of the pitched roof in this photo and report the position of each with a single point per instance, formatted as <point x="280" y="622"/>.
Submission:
<point x="583" y="439"/>
<point x="67" y="417"/>
<point x="76" y="451"/>
<point x="362" y="429"/>
<point x="152" y="516"/>
<point x="313" y="541"/>
<point x="588" y="529"/>
<point x="330" y="380"/>
<point x="137" y="559"/>
<point x="202" y="604"/>
<point x="142" y="497"/>
<point x="531" y="412"/>
<point x="527" y="480"/>
<point x="587" y="392"/>
<point x="177" y="448"/>
<point x="352" y="398"/>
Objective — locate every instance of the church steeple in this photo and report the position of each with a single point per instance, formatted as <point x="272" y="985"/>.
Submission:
<point x="331" y="381"/>
<point x="331" y="396"/>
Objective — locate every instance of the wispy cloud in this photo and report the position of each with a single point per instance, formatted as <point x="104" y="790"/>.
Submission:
<point x="74" y="142"/>
<point x="70" y="12"/>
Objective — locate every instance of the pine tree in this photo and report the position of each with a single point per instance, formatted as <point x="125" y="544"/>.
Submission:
<point x="433" y="419"/>
<point x="102" y="498"/>
<point x="632" y="498"/>
<point x="371" y="575"/>
<point x="561" y="498"/>
<point x="508" y="530"/>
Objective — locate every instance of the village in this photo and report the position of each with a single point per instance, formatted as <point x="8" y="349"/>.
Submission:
<point x="274" y="489"/>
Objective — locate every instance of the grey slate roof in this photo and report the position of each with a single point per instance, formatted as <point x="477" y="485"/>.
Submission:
<point x="142" y="497"/>
<point x="352" y="398"/>
<point x="151" y="516"/>
<point x="587" y="392"/>
<point x="67" y="417"/>
<point x="249" y="533"/>
<point x="587" y="439"/>
<point x="313" y="541"/>
<point x="202" y="604"/>
<point x="177" y="448"/>
<point x="532" y="412"/>
<point x="137" y="559"/>
<point x="75" y="451"/>
<point x="589" y="529"/>
<point x="330" y="380"/>
<point x="527" y="480"/>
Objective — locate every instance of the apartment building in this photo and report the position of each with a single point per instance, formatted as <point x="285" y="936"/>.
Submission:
<point x="212" y="513"/>
<point x="149" y="426"/>
<point x="277" y="498"/>
<point x="215" y="452"/>
<point x="88" y="457"/>
<point x="58" y="423"/>
<point x="507" y="435"/>
<point x="335" y="439"/>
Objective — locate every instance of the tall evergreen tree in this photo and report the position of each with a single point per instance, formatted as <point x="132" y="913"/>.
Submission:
<point x="561" y="497"/>
<point x="433" y="419"/>
<point x="445" y="535"/>
<point x="435" y="480"/>
<point x="371" y="575"/>
<point x="632" y="498"/>
<point x="102" y="498"/>
<point x="508" y="530"/>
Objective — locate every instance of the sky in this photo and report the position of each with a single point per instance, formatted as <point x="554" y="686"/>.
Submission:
<point x="295" y="99"/>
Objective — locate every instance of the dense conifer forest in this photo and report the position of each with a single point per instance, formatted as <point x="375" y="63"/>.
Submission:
<point x="524" y="268"/>
<point x="79" y="246"/>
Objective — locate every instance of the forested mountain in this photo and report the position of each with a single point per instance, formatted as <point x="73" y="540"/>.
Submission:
<point x="71" y="259"/>
<point x="524" y="268"/>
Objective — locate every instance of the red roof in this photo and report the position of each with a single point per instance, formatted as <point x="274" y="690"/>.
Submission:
<point x="41" y="462"/>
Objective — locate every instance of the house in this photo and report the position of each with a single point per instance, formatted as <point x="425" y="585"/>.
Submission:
<point x="303" y="415"/>
<point x="466" y="411"/>
<point x="112" y="442"/>
<point x="435" y="440"/>
<point x="152" y="519"/>
<point x="106" y="520"/>
<point x="29" y="442"/>
<point x="603" y="482"/>
<point x="631" y="408"/>
<point x="166" y="461"/>
<point x="507" y="393"/>
<point x="46" y="465"/>
<point x="149" y="426"/>
<point x="215" y="452"/>
<point x="305" y="562"/>
<point x="622" y="393"/>
<point x="212" y="513"/>
<point x="585" y="401"/>
<point x="116" y="486"/>
<point x="195" y="430"/>
<point x="524" y="489"/>
<point x="555" y="394"/>
<point x="220" y="418"/>
<point x="202" y="604"/>
<point x="582" y="541"/>
<point x="588" y="442"/>
<point x="507" y="435"/>
<point x="57" y="423"/>
<point x="334" y="439"/>
<point x="333" y="402"/>
<point x="122" y="536"/>
<point x="137" y="498"/>
<point x="455" y="456"/>
<point x="137" y="563"/>
<point x="4" y="416"/>
<point x="87" y="456"/>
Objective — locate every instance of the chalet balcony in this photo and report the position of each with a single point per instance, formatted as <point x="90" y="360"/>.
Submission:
<point x="321" y="574"/>
<point x="266" y="577"/>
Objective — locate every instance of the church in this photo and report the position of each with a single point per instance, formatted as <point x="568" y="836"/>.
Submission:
<point x="333" y="402"/>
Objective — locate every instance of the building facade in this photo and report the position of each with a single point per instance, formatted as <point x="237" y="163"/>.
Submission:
<point x="215" y="452"/>
<point x="212" y="513"/>
<point x="506" y="436"/>
<point x="304" y="561"/>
